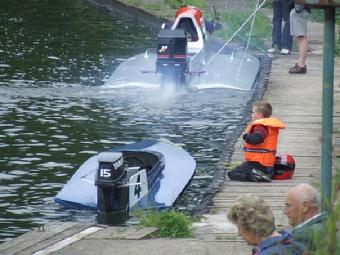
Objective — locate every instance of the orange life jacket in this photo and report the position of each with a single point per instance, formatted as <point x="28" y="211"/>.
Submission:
<point x="263" y="153"/>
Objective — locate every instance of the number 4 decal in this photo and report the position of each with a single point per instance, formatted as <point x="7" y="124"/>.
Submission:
<point x="138" y="187"/>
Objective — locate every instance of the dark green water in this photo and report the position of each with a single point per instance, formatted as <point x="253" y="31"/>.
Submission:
<point x="54" y="112"/>
<point x="65" y="41"/>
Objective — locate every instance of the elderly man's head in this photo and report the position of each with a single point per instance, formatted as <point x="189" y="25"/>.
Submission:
<point x="302" y="203"/>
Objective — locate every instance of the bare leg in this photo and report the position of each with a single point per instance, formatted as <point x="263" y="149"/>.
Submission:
<point x="303" y="50"/>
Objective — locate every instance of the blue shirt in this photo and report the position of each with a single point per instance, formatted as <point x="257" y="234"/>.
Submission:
<point x="278" y="245"/>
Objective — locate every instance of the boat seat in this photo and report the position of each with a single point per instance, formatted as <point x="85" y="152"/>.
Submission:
<point x="188" y="26"/>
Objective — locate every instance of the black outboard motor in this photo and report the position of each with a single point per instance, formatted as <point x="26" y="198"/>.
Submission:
<point x="110" y="175"/>
<point x="172" y="56"/>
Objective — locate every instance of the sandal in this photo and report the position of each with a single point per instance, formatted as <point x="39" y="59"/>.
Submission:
<point x="298" y="69"/>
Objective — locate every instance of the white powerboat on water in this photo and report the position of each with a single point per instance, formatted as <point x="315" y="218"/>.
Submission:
<point x="179" y="53"/>
<point x="185" y="56"/>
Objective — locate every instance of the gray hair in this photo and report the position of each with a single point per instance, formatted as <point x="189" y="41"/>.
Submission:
<point x="253" y="214"/>
<point x="307" y="193"/>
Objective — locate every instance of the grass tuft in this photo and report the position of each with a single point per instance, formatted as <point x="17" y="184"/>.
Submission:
<point x="170" y="223"/>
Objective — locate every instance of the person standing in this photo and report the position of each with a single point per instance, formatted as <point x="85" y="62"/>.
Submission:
<point x="298" y="28"/>
<point x="281" y="37"/>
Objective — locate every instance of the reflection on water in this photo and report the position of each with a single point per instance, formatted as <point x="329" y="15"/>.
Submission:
<point x="51" y="121"/>
<point x="67" y="42"/>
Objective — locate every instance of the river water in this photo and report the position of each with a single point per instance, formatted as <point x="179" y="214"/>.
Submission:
<point x="55" y="112"/>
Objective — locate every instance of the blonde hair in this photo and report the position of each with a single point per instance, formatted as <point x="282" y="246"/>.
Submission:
<point x="264" y="107"/>
<point x="253" y="214"/>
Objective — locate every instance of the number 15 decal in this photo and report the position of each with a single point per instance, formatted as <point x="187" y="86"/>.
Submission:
<point x="104" y="172"/>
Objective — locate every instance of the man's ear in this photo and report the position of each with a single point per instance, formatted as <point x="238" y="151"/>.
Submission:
<point x="305" y="207"/>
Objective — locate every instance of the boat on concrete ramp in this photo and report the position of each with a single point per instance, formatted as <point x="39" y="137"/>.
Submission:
<point x="185" y="56"/>
<point x="149" y="174"/>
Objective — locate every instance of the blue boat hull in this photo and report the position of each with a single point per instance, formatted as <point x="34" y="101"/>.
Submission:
<point x="165" y="183"/>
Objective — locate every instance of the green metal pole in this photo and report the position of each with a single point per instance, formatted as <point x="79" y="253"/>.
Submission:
<point x="327" y="108"/>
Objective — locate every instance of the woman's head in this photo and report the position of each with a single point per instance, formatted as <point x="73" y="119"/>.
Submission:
<point x="253" y="218"/>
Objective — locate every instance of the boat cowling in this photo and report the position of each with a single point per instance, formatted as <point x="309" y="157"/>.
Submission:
<point x="172" y="58"/>
<point x="111" y="168"/>
<point x="110" y="174"/>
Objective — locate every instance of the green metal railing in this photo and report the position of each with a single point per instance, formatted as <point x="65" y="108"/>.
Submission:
<point x="327" y="108"/>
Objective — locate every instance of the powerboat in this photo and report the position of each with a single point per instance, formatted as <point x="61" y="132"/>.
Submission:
<point x="146" y="174"/>
<point x="179" y="53"/>
<point x="186" y="56"/>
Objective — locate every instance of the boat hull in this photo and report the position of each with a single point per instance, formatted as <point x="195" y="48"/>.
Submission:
<point x="178" y="168"/>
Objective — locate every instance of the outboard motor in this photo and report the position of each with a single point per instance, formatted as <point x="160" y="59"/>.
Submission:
<point x="172" y="56"/>
<point x="110" y="175"/>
